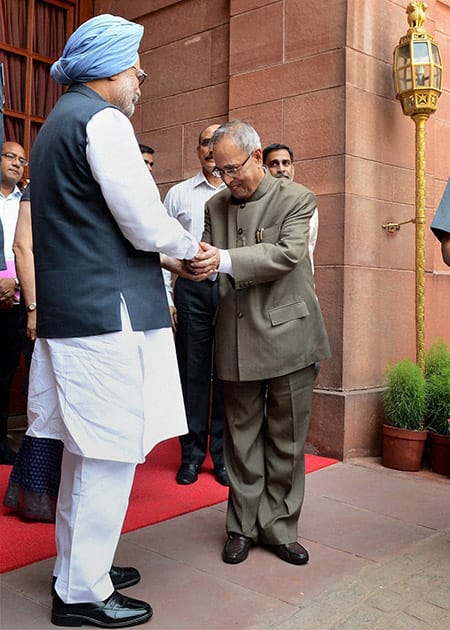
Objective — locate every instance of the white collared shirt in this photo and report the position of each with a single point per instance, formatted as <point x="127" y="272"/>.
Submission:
<point x="9" y="211"/>
<point x="186" y="202"/>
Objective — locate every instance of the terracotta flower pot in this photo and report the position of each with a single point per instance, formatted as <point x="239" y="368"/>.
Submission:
<point x="402" y="448"/>
<point x="440" y="453"/>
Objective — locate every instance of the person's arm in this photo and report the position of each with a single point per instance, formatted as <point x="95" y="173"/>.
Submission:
<point x="445" y="248"/>
<point x="23" y="252"/>
<point x="129" y="189"/>
<point x="268" y="260"/>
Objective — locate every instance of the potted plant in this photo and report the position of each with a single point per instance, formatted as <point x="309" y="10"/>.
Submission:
<point x="437" y="396"/>
<point x="404" y="408"/>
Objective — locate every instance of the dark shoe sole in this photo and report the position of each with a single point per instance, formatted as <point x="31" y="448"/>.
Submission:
<point x="75" y="621"/>
<point x="291" y="559"/>
<point x="234" y="560"/>
<point x="186" y="482"/>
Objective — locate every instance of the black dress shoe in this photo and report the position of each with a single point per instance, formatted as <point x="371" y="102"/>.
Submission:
<point x="117" y="611"/>
<point x="188" y="473"/>
<point x="221" y="475"/>
<point x="121" y="577"/>
<point x="124" y="577"/>
<point x="291" y="552"/>
<point x="236" y="549"/>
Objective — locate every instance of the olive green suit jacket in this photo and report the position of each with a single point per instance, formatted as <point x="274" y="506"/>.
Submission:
<point x="268" y="321"/>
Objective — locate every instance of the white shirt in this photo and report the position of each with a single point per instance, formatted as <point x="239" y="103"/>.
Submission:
<point x="186" y="202"/>
<point x="9" y="211"/>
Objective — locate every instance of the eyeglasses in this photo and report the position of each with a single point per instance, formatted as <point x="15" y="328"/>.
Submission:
<point x="149" y="163"/>
<point x="206" y="142"/>
<point x="140" y="75"/>
<point x="14" y="156"/>
<point x="230" y="170"/>
<point x="274" y="163"/>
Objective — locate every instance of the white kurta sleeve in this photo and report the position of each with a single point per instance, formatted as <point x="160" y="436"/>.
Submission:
<point x="129" y="189"/>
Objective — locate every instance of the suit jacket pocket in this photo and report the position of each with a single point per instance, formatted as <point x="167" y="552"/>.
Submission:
<point x="269" y="234"/>
<point x="288" y="312"/>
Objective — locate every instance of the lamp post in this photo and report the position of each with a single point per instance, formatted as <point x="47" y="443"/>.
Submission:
<point x="418" y="79"/>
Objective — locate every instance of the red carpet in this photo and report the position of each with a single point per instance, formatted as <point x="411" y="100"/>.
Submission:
<point x="155" y="497"/>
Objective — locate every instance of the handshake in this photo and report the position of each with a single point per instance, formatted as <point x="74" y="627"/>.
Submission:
<point x="204" y="264"/>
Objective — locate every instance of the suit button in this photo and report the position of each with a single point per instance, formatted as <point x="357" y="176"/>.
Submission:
<point x="240" y="231"/>
<point x="240" y="315"/>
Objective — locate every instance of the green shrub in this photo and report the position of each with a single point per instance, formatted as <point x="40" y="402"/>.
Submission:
<point x="404" y="397"/>
<point x="437" y="359"/>
<point x="437" y="395"/>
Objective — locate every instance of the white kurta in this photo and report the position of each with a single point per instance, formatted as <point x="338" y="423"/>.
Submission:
<point x="115" y="396"/>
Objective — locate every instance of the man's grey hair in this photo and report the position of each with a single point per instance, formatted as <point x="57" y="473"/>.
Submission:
<point x="243" y="135"/>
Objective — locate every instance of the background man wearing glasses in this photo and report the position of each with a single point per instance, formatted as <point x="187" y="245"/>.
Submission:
<point x="13" y="162"/>
<point x="269" y="334"/>
<point x="196" y="305"/>
<point x="103" y="378"/>
<point x="279" y="159"/>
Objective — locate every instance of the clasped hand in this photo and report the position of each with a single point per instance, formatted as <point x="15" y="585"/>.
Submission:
<point x="204" y="264"/>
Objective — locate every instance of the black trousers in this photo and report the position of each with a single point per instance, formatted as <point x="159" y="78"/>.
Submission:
<point x="10" y="349"/>
<point x="196" y="303"/>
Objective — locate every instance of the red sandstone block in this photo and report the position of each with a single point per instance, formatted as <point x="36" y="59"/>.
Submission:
<point x="327" y="427"/>
<point x="256" y="39"/>
<point x="363" y="423"/>
<point x="330" y="241"/>
<point x="329" y="283"/>
<point x="242" y="6"/>
<point x="382" y="249"/>
<point x="168" y="153"/>
<point x="374" y="130"/>
<point x="220" y="54"/>
<point x="368" y="178"/>
<point x="289" y="79"/>
<point x="379" y="323"/>
<point x="206" y="103"/>
<point x="314" y="27"/>
<point x="181" y="66"/>
<point x="369" y="74"/>
<point x="325" y="176"/>
<point x="437" y="305"/>
<point x="441" y="163"/>
<point x="376" y="27"/>
<point x="182" y="20"/>
<point x="316" y="122"/>
<point x="266" y="118"/>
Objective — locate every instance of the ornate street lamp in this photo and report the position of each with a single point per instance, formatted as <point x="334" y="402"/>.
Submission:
<point x="418" y="80"/>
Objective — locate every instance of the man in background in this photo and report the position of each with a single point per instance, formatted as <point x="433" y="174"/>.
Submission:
<point x="279" y="159"/>
<point x="148" y="155"/>
<point x="13" y="162"/>
<point x="195" y="305"/>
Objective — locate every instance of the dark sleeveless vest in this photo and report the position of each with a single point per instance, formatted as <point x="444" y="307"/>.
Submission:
<point x="83" y="262"/>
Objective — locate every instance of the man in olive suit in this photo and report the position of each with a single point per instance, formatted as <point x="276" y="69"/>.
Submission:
<point x="269" y="334"/>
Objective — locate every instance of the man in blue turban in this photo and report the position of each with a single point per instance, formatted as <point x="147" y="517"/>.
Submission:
<point x="104" y="376"/>
<point x="101" y="47"/>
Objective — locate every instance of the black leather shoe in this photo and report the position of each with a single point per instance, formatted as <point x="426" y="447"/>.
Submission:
<point x="124" y="577"/>
<point x="188" y="473"/>
<point x="121" y="577"/>
<point x="236" y="549"/>
<point x="117" y="611"/>
<point x="291" y="552"/>
<point x="221" y="476"/>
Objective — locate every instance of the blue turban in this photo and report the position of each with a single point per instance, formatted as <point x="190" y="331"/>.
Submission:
<point x="101" y="47"/>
